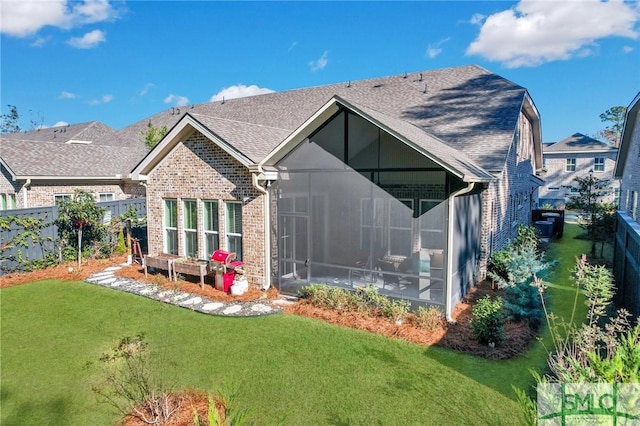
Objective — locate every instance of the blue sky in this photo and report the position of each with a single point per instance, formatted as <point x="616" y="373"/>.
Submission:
<point x="119" y="62"/>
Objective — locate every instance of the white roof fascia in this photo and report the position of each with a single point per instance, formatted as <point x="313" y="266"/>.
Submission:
<point x="301" y="133"/>
<point x="591" y="151"/>
<point x="404" y="140"/>
<point x="184" y="128"/>
<point x="411" y="144"/>
<point x="68" y="178"/>
<point x="6" y="166"/>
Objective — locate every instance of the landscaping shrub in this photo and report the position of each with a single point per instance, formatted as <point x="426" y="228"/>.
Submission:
<point x="366" y="300"/>
<point x="487" y="322"/>
<point x="430" y="318"/>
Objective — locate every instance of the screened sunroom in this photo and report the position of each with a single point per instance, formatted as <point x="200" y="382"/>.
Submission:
<point x="354" y="205"/>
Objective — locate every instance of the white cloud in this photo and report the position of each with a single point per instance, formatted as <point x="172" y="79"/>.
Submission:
<point x="477" y="19"/>
<point x="60" y="123"/>
<point x="535" y="32"/>
<point x="88" y="41"/>
<point x="434" y="49"/>
<point x="67" y="95"/>
<point x="239" y="91"/>
<point x="293" y="46"/>
<point x="627" y="49"/>
<point x="40" y="41"/>
<point x="22" y="18"/>
<point x="146" y="89"/>
<point x="319" y="63"/>
<point x="176" y="100"/>
<point x="105" y="99"/>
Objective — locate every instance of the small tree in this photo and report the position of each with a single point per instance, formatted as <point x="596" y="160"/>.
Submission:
<point x="591" y="191"/>
<point x="614" y="115"/>
<point x="153" y="134"/>
<point x="10" y="121"/>
<point x="77" y="214"/>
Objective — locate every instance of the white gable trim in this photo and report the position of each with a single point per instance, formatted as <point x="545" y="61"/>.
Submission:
<point x="183" y="129"/>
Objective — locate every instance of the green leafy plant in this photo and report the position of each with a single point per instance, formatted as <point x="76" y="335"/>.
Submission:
<point x="153" y="134"/>
<point x="487" y="322"/>
<point x="431" y="318"/>
<point x="30" y="235"/>
<point x="130" y="384"/>
<point x="365" y="300"/>
<point x="79" y="215"/>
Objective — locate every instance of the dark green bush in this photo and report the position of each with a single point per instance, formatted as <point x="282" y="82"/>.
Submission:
<point x="487" y="323"/>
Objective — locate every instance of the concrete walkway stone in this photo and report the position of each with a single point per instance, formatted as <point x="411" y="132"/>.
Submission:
<point x="194" y="302"/>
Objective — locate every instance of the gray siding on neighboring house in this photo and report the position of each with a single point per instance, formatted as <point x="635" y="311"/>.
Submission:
<point x="584" y="151"/>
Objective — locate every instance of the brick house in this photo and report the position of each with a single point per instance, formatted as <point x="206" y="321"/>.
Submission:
<point x="573" y="157"/>
<point x="42" y="166"/>
<point x="408" y="182"/>
<point x="626" y="268"/>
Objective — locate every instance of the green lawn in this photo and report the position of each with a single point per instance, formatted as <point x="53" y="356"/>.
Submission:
<point x="288" y="368"/>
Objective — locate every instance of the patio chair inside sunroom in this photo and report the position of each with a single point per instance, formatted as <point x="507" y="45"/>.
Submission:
<point x="357" y="206"/>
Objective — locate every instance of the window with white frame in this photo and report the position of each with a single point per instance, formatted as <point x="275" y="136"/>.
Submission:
<point x="233" y="228"/>
<point x="171" y="226"/>
<point x="571" y="164"/>
<point x="598" y="164"/>
<point x="58" y="198"/>
<point x="3" y="201"/>
<point x="11" y="201"/>
<point x="211" y="228"/>
<point x="190" y="227"/>
<point x="106" y="196"/>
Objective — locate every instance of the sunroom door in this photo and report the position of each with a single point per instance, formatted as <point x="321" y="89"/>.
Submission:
<point x="293" y="231"/>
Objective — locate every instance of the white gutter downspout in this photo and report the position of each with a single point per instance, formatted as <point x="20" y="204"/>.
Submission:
<point x="26" y="186"/>
<point x="267" y="239"/>
<point x="449" y="275"/>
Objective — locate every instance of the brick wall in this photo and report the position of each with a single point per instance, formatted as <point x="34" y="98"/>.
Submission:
<point x="199" y="170"/>
<point x="630" y="182"/>
<point x="507" y="201"/>
<point x="41" y="194"/>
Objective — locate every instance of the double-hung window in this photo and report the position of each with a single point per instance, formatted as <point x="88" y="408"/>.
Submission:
<point x="211" y="228"/>
<point x="598" y="164"/>
<point x="234" y="228"/>
<point x="190" y="227"/>
<point x="171" y="226"/>
<point x="571" y="164"/>
<point x="58" y="198"/>
<point x="105" y="196"/>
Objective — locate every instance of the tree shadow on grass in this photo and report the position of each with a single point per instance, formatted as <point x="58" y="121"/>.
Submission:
<point x="53" y="412"/>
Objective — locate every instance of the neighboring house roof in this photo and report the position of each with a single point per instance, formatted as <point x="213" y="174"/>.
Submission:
<point x="86" y="150"/>
<point x="627" y="132"/>
<point x="578" y="144"/>
<point x="467" y="108"/>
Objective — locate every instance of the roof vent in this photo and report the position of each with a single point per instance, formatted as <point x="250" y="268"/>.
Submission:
<point x="77" y="142"/>
<point x="377" y="85"/>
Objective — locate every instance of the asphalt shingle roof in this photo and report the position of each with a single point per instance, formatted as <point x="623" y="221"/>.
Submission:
<point x="468" y="108"/>
<point x="578" y="142"/>
<point x="46" y="152"/>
